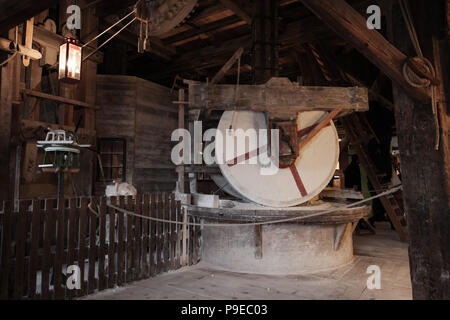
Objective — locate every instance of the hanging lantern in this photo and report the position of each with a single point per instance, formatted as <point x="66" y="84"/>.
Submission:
<point x="70" y="61"/>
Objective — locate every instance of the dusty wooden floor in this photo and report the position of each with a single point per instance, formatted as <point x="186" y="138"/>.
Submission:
<point x="349" y="282"/>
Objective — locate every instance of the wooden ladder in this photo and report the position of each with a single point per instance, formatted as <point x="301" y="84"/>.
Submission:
<point x="360" y="133"/>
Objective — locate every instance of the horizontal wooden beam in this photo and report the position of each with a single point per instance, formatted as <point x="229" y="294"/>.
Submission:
<point x="13" y="12"/>
<point x="157" y="47"/>
<point x="33" y="125"/>
<point x="279" y="95"/>
<point x="352" y="27"/>
<point x="230" y="4"/>
<point x="47" y="38"/>
<point x="206" y="28"/>
<point x="68" y="101"/>
<point x="295" y="33"/>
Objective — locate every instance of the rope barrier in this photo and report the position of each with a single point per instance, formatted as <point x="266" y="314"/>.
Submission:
<point x="221" y="225"/>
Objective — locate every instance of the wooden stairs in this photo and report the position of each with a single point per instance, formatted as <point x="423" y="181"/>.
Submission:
<point x="360" y="133"/>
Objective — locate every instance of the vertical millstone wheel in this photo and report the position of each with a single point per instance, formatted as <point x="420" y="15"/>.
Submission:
<point x="297" y="182"/>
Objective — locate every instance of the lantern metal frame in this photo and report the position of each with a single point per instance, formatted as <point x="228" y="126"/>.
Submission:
<point x="66" y="78"/>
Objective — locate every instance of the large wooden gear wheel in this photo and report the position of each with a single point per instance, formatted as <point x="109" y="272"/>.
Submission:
<point x="164" y="15"/>
<point x="304" y="179"/>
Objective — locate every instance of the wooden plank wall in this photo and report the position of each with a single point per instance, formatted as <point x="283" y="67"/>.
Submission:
<point x="156" y="118"/>
<point x="110" y="247"/>
<point x="116" y="97"/>
<point x="141" y="112"/>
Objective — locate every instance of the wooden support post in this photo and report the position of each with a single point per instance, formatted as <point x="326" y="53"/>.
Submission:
<point x="9" y="95"/>
<point x="181" y="114"/>
<point x="265" y="40"/>
<point x="227" y="66"/>
<point x="185" y="237"/>
<point x="425" y="171"/>
<point x="258" y="242"/>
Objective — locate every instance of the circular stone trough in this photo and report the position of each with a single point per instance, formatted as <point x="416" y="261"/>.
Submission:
<point x="302" y="246"/>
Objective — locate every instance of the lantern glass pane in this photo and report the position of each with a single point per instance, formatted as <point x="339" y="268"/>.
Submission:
<point x="62" y="61"/>
<point x="74" y="62"/>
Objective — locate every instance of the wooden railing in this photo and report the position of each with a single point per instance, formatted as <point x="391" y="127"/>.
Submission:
<point x="110" y="247"/>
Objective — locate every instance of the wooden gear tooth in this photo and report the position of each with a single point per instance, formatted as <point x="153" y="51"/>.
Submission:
<point x="170" y="15"/>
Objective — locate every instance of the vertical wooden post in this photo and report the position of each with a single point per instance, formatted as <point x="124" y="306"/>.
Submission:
<point x="145" y="237"/>
<point x="121" y="249"/>
<point x="82" y="252"/>
<point x="265" y="40"/>
<point x="166" y="257"/>
<point x="102" y="245"/>
<point x="185" y="237"/>
<point x="112" y="245"/>
<point x="6" y="251"/>
<point x="9" y="95"/>
<point x="130" y="249"/>
<point x="59" y="255"/>
<point x="152" y="235"/>
<point x="138" y="238"/>
<point x="425" y="171"/>
<point x="34" y="252"/>
<point x="92" y="251"/>
<point x="87" y="91"/>
<point x="181" y="116"/>
<point x="72" y="228"/>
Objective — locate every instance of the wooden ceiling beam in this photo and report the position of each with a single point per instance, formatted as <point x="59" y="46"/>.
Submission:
<point x="106" y="8"/>
<point x="207" y="12"/>
<point x="294" y="34"/>
<point x="351" y="26"/>
<point x="448" y="18"/>
<point x="15" y="12"/>
<point x="157" y="47"/>
<point x="237" y="9"/>
<point x="210" y="27"/>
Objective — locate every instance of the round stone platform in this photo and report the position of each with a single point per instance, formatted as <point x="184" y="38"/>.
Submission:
<point x="299" y="247"/>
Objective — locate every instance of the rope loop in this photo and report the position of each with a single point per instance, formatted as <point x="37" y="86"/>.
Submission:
<point x="413" y="77"/>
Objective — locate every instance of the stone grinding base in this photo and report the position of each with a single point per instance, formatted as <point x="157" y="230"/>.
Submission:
<point x="323" y="243"/>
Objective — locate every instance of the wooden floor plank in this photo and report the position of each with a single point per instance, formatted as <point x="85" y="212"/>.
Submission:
<point x="348" y="282"/>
